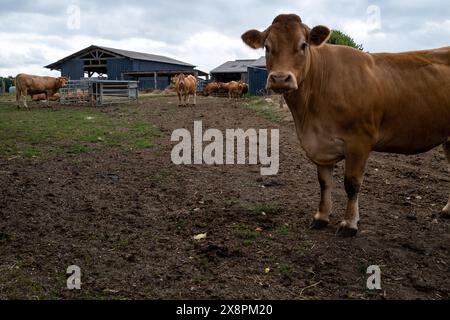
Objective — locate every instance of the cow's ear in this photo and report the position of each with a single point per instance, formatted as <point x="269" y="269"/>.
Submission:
<point x="254" y="39"/>
<point x="319" y="35"/>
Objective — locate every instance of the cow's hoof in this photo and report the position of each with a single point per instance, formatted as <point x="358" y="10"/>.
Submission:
<point x="319" y="224"/>
<point x="346" y="232"/>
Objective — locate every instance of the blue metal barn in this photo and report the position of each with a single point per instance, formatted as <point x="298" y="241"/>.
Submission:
<point x="152" y="71"/>
<point x="257" y="77"/>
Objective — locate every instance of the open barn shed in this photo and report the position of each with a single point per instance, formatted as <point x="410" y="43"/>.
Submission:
<point x="232" y="71"/>
<point x="151" y="71"/>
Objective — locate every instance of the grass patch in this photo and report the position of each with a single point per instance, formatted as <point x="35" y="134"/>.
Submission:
<point x="362" y="266"/>
<point x="44" y="133"/>
<point x="245" y="234"/>
<point x="286" y="270"/>
<point x="230" y="202"/>
<point x="264" y="109"/>
<point x="283" y="231"/>
<point x="263" y="208"/>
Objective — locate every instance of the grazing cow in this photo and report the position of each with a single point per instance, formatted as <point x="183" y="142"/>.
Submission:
<point x="212" y="88"/>
<point x="347" y="103"/>
<point x="32" y="85"/>
<point x="42" y="97"/>
<point x="185" y="87"/>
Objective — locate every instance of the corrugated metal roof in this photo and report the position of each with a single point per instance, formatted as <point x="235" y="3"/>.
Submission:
<point x="260" y="63"/>
<point x="146" y="56"/>
<point x="238" y="66"/>
<point x="123" y="53"/>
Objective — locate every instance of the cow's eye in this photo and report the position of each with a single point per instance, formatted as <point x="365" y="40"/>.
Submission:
<point x="303" y="46"/>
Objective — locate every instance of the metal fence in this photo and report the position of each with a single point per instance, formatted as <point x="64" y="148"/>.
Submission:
<point x="99" y="92"/>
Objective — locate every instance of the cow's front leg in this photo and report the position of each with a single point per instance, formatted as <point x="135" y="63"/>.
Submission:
<point x="322" y="217"/>
<point x="179" y="99"/>
<point x="355" y="166"/>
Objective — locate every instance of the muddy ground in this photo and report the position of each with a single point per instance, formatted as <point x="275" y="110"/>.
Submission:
<point x="128" y="220"/>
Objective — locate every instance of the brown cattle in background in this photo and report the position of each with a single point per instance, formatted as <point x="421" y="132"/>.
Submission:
<point x="212" y="88"/>
<point x="347" y="103"/>
<point x="186" y="86"/>
<point x="244" y="89"/>
<point x="32" y="85"/>
<point x="235" y="89"/>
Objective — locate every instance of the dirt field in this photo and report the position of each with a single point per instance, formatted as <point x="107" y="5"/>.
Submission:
<point x="128" y="219"/>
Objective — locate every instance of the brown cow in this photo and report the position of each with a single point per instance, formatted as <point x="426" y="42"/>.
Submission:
<point x="244" y="89"/>
<point x="42" y="97"/>
<point x="32" y="85"/>
<point x="347" y="103"/>
<point x="185" y="87"/>
<point x="235" y="89"/>
<point x="212" y="88"/>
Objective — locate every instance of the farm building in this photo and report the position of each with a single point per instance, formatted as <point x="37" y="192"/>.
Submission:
<point x="152" y="71"/>
<point x="251" y="71"/>
<point x="257" y="77"/>
<point x="232" y="71"/>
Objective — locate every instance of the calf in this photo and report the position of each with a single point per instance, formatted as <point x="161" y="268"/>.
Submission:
<point x="42" y="97"/>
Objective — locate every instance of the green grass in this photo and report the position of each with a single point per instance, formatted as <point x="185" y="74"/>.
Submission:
<point x="286" y="270"/>
<point x="244" y="233"/>
<point x="263" y="208"/>
<point x="283" y="231"/>
<point x="264" y="109"/>
<point x="44" y="133"/>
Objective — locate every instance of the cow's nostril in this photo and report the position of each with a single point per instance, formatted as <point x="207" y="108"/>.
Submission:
<point x="284" y="78"/>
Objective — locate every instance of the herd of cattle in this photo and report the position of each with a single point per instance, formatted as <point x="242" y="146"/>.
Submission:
<point x="234" y="89"/>
<point x="47" y="88"/>
<point x="185" y="86"/>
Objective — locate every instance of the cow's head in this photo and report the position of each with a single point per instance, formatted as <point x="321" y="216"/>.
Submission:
<point x="175" y="79"/>
<point x="288" y="43"/>
<point x="180" y="80"/>
<point x="62" y="82"/>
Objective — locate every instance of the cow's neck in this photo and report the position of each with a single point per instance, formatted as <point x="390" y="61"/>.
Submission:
<point x="302" y="101"/>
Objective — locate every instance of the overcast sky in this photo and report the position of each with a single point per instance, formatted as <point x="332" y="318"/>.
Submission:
<point x="205" y="33"/>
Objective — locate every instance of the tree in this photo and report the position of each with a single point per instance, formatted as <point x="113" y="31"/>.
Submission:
<point x="340" y="38"/>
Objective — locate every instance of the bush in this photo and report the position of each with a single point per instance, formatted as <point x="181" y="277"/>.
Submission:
<point x="340" y="38"/>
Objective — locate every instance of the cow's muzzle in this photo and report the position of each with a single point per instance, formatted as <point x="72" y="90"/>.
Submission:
<point x="282" y="82"/>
